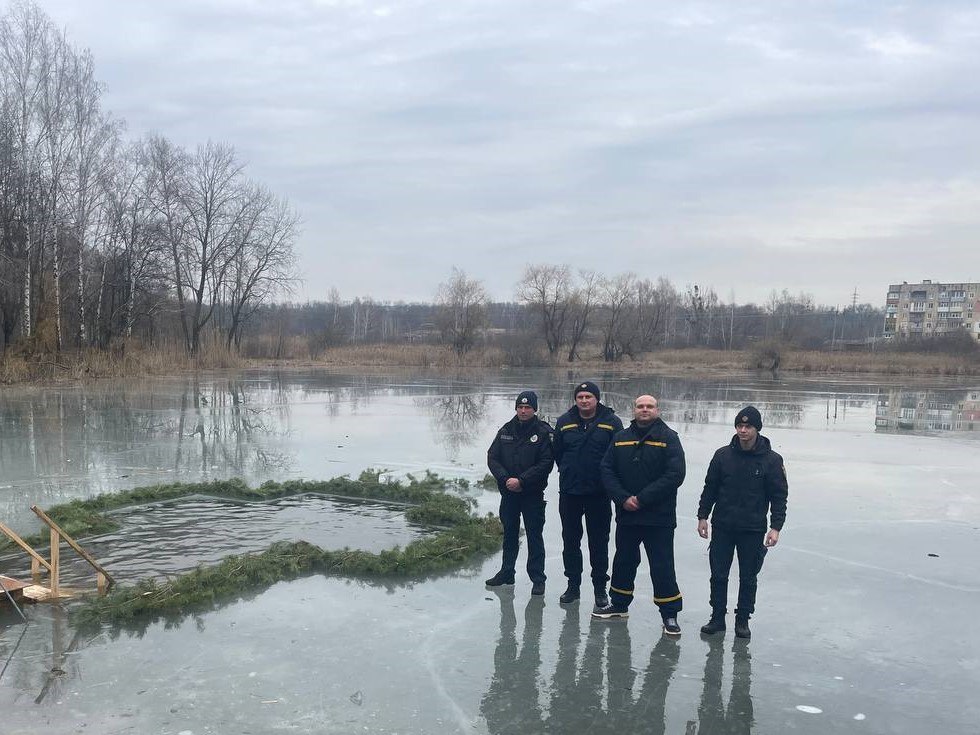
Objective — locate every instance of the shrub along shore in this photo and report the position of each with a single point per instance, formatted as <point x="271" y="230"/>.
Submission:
<point x="459" y="536"/>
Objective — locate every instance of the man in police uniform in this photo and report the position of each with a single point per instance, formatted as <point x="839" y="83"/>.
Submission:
<point x="746" y="480"/>
<point x="520" y="460"/>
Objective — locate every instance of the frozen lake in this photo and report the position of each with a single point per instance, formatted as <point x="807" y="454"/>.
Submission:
<point x="866" y="608"/>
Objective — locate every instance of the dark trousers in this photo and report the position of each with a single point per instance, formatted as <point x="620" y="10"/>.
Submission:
<point x="659" y="545"/>
<point x="725" y="542"/>
<point x="531" y="506"/>
<point x="597" y="510"/>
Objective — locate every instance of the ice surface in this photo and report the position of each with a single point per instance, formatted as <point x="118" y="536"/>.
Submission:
<point x="867" y="605"/>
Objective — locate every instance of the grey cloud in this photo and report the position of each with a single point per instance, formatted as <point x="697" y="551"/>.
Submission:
<point x="697" y="142"/>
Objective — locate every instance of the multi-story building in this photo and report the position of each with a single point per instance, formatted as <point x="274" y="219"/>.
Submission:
<point x="929" y="309"/>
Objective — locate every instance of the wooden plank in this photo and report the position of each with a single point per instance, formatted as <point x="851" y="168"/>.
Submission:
<point x="55" y="560"/>
<point x="71" y="542"/>
<point x="10" y="584"/>
<point x="37" y="593"/>
<point x="25" y="546"/>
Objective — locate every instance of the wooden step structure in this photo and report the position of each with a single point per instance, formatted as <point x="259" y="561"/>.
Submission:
<point x="34" y="591"/>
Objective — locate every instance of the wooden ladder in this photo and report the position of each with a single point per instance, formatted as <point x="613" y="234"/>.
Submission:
<point x="54" y="591"/>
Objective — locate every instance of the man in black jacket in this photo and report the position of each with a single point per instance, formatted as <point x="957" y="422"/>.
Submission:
<point x="581" y="436"/>
<point x="745" y="481"/>
<point x="641" y="471"/>
<point x="520" y="460"/>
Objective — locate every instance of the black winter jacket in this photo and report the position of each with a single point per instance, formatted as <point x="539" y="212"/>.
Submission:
<point x="743" y="486"/>
<point x="579" y="446"/>
<point x="648" y="463"/>
<point x="522" y="451"/>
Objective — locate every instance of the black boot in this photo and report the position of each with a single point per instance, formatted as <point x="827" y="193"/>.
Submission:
<point x="715" y="625"/>
<point x="500" y="578"/>
<point x="601" y="598"/>
<point x="571" y="594"/>
<point x="742" y="626"/>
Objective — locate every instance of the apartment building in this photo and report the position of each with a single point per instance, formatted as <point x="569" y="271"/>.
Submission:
<point x="931" y="308"/>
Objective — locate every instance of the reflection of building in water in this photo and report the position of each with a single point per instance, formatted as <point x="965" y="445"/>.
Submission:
<point x="927" y="410"/>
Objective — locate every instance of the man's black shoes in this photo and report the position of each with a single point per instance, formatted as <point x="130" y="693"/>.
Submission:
<point x="571" y="594"/>
<point x="742" y="628"/>
<point x="610" y="612"/>
<point x="601" y="598"/>
<point x="671" y="627"/>
<point x="499" y="579"/>
<point x="537" y="588"/>
<point x="715" y="625"/>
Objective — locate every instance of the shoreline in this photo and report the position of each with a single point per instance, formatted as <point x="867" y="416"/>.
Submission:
<point x="83" y="367"/>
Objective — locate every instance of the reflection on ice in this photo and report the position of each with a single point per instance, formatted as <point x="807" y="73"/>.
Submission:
<point x="928" y="410"/>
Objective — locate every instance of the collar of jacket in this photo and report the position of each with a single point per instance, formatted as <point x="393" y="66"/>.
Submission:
<point x="524" y="428"/>
<point x="762" y="445"/>
<point x="601" y="411"/>
<point x="652" y="426"/>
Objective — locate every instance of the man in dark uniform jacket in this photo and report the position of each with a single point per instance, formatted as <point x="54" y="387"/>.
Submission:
<point x="520" y="460"/>
<point x="581" y="436"/>
<point x="642" y="470"/>
<point x="745" y="481"/>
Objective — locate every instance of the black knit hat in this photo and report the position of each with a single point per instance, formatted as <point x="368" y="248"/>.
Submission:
<point x="749" y="415"/>
<point x="527" y="398"/>
<point x="587" y="386"/>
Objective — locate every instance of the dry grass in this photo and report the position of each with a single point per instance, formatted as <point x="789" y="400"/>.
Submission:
<point x="171" y="359"/>
<point x="889" y="363"/>
<point x="415" y="355"/>
<point x="134" y="361"/>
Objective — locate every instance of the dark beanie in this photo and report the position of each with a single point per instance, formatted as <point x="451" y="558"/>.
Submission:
<point x="587" y="387"/>
<point x="527" y="398"/>
<point x="749" y="415"/>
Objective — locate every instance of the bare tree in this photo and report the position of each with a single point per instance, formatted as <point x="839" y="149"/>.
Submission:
<point x="581" y="309"/>
<point x="461" y="311"/>
<point x="264" y="264"/>
<point x="547" y="290"/>
<point x="617" y="295"/>
<point x="24" y="37"/>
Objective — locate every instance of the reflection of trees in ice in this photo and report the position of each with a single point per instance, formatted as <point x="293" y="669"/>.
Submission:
<point x="113" y="432"/>
<point x="231" y="420"/>
<point x="691" y="404"/>
<point x="456" y="418"/>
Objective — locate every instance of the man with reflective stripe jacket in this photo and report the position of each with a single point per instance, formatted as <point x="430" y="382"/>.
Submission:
<point x="641" y="471"/>
<point x="581" y="436"/>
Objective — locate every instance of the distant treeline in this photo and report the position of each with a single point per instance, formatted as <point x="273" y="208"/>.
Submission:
<point x="563" y="316"/>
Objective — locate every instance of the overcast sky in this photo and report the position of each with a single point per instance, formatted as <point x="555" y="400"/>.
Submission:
<point x="812" y="145"/>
